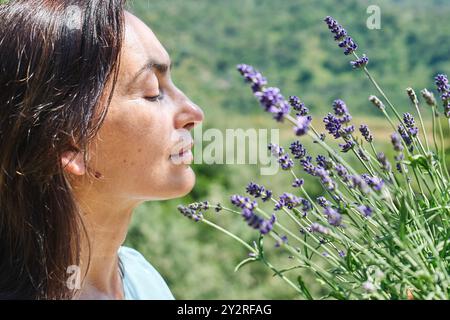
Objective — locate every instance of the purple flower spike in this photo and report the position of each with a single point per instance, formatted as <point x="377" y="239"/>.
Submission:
<point x="365" y="132"/>
<point x="298" y="183"/>
<point x="385" y="164"/>
<point x="360" y="63"/>
<point x="365" y="211"/>
<point x="335" y="28"/>
<point x="252" y="76"/>
<point x="297" y="150"/>
<point x="275" y="149"/>
<point x="444" y="88"/>
<point x="285" y="162"/>
<point x="283" y="240"/>
<point x="318" y="228"/>
<point x="298" y="106"/>
<point x="442" y="83"/>
<point x="332" y="125"/>
<point x="339" y="107"/>
<point x="347" y="146"/>
<point x="258" y="191"/>
<point x="302" y="125"/>
<point x="334" y="217"/>
<point x="396" y="142"/>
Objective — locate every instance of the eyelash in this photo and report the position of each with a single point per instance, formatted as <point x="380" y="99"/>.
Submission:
<point x="159" y="97"/>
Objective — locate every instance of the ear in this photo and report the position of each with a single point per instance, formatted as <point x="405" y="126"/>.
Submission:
<point x="73" y="163"/>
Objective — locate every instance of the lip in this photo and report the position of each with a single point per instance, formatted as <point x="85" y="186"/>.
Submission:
<point x="183" y="150"/>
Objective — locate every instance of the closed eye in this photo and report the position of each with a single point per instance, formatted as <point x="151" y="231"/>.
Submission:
<point x="155" y="98"/>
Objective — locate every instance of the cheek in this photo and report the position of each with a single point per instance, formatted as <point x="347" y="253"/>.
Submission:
<point x="132" y="152"/>
<point x="132" y="139"/>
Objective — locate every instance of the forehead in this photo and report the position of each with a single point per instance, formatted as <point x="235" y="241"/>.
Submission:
<point x="140" y="45"/>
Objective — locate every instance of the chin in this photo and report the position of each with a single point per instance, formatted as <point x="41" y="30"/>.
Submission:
<point x="181" y="185"/>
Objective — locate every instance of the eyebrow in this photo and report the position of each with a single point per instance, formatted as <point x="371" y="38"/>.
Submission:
<point x="160" y="67"/>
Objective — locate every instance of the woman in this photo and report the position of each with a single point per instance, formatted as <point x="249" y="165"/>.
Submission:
<point x="91" y="126"/>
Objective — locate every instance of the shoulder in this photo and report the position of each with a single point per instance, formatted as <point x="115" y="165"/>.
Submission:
<point x="141" y="280"/>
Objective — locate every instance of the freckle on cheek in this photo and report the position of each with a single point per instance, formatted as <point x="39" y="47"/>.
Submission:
<point x="139" y="150"/>
<point x="125" y="161"/>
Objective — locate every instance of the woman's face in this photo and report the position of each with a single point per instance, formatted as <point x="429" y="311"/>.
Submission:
<point x="137" y="149"/>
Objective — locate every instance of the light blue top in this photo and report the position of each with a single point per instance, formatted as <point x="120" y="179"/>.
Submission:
<point x="140" y="279"/>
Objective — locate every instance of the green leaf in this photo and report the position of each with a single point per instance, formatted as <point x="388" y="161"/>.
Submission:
<point x="304" y="289"/>
<point x="418" y="160"/>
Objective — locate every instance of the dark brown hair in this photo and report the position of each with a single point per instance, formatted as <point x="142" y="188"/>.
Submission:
<point x="58" y="68"/>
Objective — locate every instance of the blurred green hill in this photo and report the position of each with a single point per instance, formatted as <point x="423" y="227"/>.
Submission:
<point x="288" y="41"/>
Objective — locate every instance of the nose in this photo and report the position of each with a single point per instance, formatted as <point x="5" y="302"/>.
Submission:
<point x="189" y="114"/>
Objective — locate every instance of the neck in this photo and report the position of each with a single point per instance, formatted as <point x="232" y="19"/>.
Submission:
<point x="106" y="223"/>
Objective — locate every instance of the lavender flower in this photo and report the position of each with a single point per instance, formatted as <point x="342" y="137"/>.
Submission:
<point x="335" y="28"/>
<point x="347" y="146"/>
<point x="258" y="191"/>
<point x="365" y="132"/>
<point x="340" y="35"/>
<point x="347" y="131"/>
<point x="306" y="205"/>
<point x="348" y="45"/>
<point x="362" y="154"/>
<point x="377" y="102"/>
<point x="396" y="142"/>
<point x="333" y="125"/>
<point x="358" y="182"/>
<point x="308" y="166"/>
<point x="444" y="88"/>
<point x="341" y="254"/>
<point x="252" y="76"/>
<point x="322" y="162"/>
<point x="257" y="222"/>
<point x="297" y="150"/>
<point x="342" y="172"/>
<point x="318" y="228"/>
<point x="365" y="211"/>
<point x="334" y="217"/>
<point x="298" y="106"/>
<point x="412" y="95"/>
<point x="385" y="164"/>
<point x="442" y="83"/>
<point x="375" y="182"/>
<point x="405" y="136"/>
<point x="323" y="202"/>
<point x="429" y="97"/>
<point x="408" y="119"/>
<point x="243" y="202"/>
<point x="288" y="200"/>
<point x="190" y="213"/>
<point x="267" y="225"/>
<point x="286" y="162"/>
<point x="275" y="149"/>
<point x="283" y="240"/>
<point x="302" y="125"/>
<point x="339" y="107"/>
<point x="298" y="183"/>
<point x="360" y="63"/>
<point x="273" y="102"/>
<point x="325" y="178"/>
